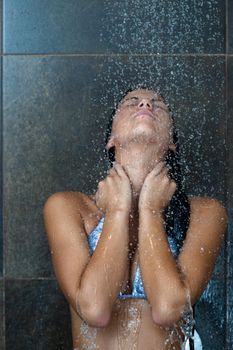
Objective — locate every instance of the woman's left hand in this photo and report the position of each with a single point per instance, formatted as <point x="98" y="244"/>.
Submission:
<point x="157" y="189"/>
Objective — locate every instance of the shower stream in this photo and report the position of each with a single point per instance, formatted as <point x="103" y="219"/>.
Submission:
<point x="185" y="324"/>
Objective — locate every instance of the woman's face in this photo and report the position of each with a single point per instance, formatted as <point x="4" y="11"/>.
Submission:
<point x="142" y="113"/>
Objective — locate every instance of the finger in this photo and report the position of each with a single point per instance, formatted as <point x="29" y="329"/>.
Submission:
<point x="100" y="183"/>
<point x="162" y="169"/>
<point x="167" y="175"/>
<point x="161" y="164"/>
<point x="119" y="169"/>
<point x="112" y="171"/>
<point x="173" y="184"/>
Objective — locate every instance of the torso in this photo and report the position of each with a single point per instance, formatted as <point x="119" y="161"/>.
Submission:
<point x="131" y="325"/>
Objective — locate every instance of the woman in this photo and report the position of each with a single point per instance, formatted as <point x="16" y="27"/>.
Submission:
<point x="156" y="248"/>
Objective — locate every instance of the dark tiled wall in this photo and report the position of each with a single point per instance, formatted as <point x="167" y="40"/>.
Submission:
<point x="229" y="115"/>
<point x="64" y="67"/>
<point x="114" y="26"/>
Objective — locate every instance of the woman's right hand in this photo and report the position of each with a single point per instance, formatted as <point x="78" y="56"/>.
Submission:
<point x="114" y="192"/>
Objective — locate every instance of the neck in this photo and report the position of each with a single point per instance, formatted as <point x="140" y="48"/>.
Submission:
<point x="138" y="160"/>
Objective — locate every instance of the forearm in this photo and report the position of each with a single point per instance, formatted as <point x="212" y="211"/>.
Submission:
<point x="162" y="280"/>
<point x="102" y="279"/>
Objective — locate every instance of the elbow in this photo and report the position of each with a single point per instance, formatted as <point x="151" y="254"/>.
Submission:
<point x="93" y="314"/>
<point x="95" y="317"/>
<point x="168" y="313"/>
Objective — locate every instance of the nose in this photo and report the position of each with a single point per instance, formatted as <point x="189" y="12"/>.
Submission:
<point x="145" y="103"/>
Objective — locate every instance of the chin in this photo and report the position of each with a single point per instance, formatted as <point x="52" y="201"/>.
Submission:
<point x="145" y="136"/>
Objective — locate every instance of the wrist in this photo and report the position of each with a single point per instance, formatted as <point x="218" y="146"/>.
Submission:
<point x="157" y="213"/>
<point x="118" y="211"/>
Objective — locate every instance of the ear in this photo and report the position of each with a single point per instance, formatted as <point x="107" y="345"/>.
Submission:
<point x="110" y="143"/>
<point x="172" y="147"/>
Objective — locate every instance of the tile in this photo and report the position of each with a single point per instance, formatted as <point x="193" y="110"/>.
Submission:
<point x="230" y="27"/>
<point x="2" y="338"/>
<point x="220" y="265"/>
<point x="114" y="26"/>
<point x="210" y="311"/>
<point x="230" y="167"/>
<point x="56" y="110"/>
<point x="49" y="146"/>
<point x="229" y="338"/>
<point x="1" y="25"/>
<point x="1" y="180"/>
<point x="36" y="313"/>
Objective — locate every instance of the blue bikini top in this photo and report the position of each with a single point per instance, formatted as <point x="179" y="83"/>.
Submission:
<point x="138" y="289"/>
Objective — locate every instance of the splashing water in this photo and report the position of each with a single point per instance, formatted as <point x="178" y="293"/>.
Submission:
<point x="128" y="328"/>
<point x="185" y="324"/>
<point x="156" y="26"/>
<point x="89" y="335"/>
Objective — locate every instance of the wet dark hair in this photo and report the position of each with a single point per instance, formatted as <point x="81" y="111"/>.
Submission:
<point x="177" y="213"/>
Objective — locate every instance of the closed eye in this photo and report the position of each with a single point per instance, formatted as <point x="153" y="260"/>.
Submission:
<point x="158" y="104"/>
<point x="132" y="98"/>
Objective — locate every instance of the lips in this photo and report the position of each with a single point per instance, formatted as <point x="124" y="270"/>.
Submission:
<point x="144" y="112"/>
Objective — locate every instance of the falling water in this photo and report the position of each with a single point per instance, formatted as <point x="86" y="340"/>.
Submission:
<point x="88" y="335"/>
<point x="128" y="330"/>
<point x="139" y="62"/>
<point x="185" y="324"/>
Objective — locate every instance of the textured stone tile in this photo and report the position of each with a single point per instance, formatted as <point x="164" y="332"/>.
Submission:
<point x="219" y="270"/>
<point x="229" y="329"/>
<point x="230" y="26"/>
<point x="1" y="180"/>
<point x="210" y="311"/>
<point x="1" y="19"/>
<point x="2" y="345"/>
<point x="37" y="316"/>
<point x="56" y="111"/>
<point x="49" y="147"/>
<point x="114" y="26"/>
<point x="230" y="168"/>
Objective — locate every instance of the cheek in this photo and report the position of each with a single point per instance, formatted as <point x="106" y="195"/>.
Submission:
<point x="165" y="132"/>
<point x="119" y="126"/>
<point x="165" y="123"/>
<point x="121" y="119"/>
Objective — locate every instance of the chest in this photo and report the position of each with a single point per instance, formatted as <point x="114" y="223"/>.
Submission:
<point x="129" y="277"/>
<point x="133" y="253"/>
<point x="133" y="260"/>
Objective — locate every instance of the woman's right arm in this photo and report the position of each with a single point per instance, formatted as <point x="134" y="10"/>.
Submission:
<point x="89" y="283"/>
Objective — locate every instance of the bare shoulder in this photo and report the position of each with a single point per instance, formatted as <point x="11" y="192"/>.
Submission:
<point x="67" y="198"/>
<point x="207" y="204"/>
<point x="206" y="210"/>
<point x="76" y="198"/>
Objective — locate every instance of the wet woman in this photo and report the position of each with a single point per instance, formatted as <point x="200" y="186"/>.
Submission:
<point x="156" y="248"/>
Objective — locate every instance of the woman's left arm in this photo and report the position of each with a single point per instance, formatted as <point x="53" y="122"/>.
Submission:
<point x="165" y="279"/>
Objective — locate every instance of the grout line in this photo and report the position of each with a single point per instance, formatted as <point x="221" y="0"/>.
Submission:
<point x="2" y="200"/>
<point x="227" y="163"/>
<point x="118" y="54"/>
<point x="226" y="197"/>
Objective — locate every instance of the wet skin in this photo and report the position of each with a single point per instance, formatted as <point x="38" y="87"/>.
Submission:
<point x="131" y="325"/>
